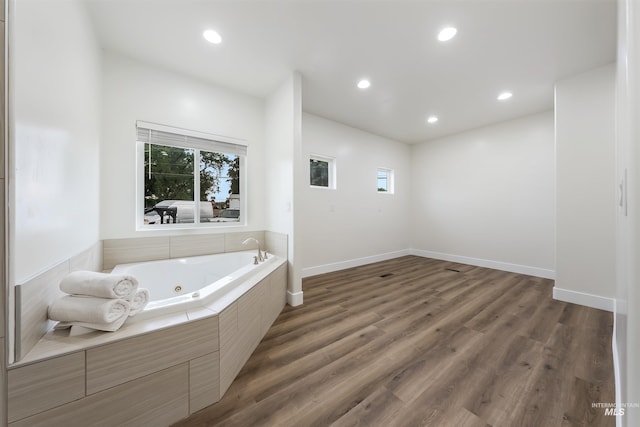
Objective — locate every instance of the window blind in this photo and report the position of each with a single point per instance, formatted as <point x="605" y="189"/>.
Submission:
<point x="175" y="137"/>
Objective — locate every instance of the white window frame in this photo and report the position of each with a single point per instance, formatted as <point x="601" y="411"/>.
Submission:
<point x="331" y="172"/>
<point x="390" y="180"/>
<point x="197" y="141"/>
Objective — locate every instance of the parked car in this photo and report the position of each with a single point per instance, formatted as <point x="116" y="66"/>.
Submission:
<point x="177" y="211"/>
<point x="228" y="215"/>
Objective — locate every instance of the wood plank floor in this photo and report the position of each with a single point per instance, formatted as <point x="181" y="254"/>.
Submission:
<point x="421" y="342"/>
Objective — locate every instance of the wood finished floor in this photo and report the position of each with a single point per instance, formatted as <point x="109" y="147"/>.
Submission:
<point x="409" y="342"/>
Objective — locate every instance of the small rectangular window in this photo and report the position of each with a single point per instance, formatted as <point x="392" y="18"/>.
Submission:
<point x="321" y="172"/>
<point x="189" y="178"/>
<point x="385" y="181"/>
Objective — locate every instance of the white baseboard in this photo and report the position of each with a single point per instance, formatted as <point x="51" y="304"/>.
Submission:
<point x="294" y="298"/>
<point x="582" y="298"/>
<point x="496" y="265"/>
<point x="336" y="266"/>
<point x="560" y="294"/>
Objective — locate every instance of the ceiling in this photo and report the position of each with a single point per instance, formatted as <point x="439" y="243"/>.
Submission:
<point x="523" y="46"/>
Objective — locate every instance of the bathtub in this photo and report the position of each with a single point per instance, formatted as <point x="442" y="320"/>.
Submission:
<point x="185" y="284"/>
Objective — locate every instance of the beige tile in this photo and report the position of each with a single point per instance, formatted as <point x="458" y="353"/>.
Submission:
<point x="118" y="362"/>
<point x="244" y="323"/>
<point x="266" y="308"/>
<point x="249" y="305"/>
<point x="233" y="241"/>
<point x="56" y="343"/>
<point x="275" y="297"/>
<point x="239" y="351"/>
<point x="228" y="321"/>
<point x="228" y="324"/>
<point x="45" y="385"/>
<point x="90" y="259"/>
<point x="276" y="243"/>
<point x="204" y="381"/>
<point x="198" y="244"/>
<point x="237" y="345"/>
<point x="280" y="284"/>
<point x="32" y="301"/>
<point x="157" y="400"/>
<point x="123" y="251"/>
<point x="34" y="296"/>
<point x="199" y="313"/>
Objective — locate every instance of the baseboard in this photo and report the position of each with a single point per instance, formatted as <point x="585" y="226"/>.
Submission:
<point x="336" y="266"/>
<point x="294" y="298"/>
<point x="496" y="265"/>
<point x="582" y="298"/>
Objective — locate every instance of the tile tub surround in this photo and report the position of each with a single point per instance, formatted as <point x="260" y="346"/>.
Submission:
<point x="34" y="296"/>
<point x="144" y="372"/>
<point x="123" y="251"/>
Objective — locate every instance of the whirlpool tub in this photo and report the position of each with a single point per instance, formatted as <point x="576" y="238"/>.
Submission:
<point x="184" y="284"/>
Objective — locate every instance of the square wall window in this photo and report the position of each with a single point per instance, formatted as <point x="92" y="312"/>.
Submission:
<point x="321" y="172"/>
<point x="385" y="181"/>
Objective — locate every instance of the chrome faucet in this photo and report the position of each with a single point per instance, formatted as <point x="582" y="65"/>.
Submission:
<point x="252" y="239"/>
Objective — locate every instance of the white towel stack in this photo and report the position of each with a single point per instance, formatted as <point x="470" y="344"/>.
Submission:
<point x="138" y="301"/>
<point x="100" y="285"/>
<point x="97" y="301"/>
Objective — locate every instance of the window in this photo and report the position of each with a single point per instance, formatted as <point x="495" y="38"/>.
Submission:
<point x="321" y="172"/>
<point x="188" y="177"/>
<point x="385" y="181"/>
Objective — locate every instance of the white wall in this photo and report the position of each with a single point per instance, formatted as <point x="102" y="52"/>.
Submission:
<point x="55" y="113"/>
<point x="132" y="91"/>
<point x="486" y="197"/>
<point x="282" y="129"/>
<point x="279" y="156"/>
<point x="352" y="224"/>
<point x="585" y="188"/>
<point x="626" y="344"/>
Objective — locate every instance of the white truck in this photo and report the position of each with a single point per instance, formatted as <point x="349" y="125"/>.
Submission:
<point x="177" y="211"/>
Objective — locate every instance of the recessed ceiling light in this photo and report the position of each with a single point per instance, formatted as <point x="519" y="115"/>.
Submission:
<point x="212" y="37"/>
<point x="363" y="84"/>
<point x="447" y="34"/>
<point x="432" y="119"/>
<point x="504" y="96"/>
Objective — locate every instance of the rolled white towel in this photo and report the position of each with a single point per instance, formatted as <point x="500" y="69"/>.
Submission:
<point x="109" y="327"/>
<point x="139" y="301"/>
<point x="72" y="308"/>
<point x="101" y="285"/>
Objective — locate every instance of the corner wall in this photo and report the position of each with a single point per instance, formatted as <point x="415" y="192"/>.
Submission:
<point x="283" y="111"/>
<point x="585" y="188"/>
<point x="486" y="197"/>
<point x="134" y="90"/>
<point x="352" y="224"/>
<point x="54" y="134"/>
<point x="626" y="339"/>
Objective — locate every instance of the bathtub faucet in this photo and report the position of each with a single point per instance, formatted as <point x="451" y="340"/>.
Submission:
<point x="252" y="239"/>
